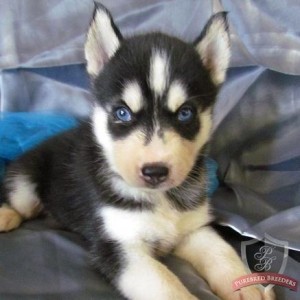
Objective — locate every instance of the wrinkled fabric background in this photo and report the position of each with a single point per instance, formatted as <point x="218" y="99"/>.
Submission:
<point x="256" y="129"/>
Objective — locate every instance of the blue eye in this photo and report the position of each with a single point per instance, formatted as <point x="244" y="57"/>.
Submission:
<point x="185" y="114"/>
<point x="123" y="114"/>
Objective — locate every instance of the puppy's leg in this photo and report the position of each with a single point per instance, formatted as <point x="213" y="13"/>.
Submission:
<point x="138" y="275"/>
<point x="22" y="202"/>
<point x="218" y="263"/>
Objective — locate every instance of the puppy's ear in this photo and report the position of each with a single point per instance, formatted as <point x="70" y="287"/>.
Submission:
<point x="213" y="47"/>
<point x="103" y="40"/>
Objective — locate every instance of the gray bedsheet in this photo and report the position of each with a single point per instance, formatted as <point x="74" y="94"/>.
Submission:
<point x="256" y="129"/>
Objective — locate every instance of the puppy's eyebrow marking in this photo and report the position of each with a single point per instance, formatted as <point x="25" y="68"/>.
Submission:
<point x="132" y="96"/>
<point x="176" y="96"/>
<point x="159" y="72"/>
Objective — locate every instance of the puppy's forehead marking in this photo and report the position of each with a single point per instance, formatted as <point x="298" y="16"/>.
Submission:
<point x="132" y="96"/>
<point x="159" y="72"/>
<point x="176" y="96"/>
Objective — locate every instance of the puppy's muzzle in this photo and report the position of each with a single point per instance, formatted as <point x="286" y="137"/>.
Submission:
<point x="154" y="174"/>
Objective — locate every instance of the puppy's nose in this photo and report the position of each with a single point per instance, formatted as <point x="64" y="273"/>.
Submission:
<point x="155" y="173"/>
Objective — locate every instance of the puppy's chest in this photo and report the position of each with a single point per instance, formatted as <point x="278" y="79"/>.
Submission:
<point x="160" y="229"/>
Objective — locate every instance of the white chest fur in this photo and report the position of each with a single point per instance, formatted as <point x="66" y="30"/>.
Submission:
<point x="164" y="226"/>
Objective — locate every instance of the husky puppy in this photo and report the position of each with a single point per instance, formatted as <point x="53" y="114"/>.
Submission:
<point x="132" y="181"/>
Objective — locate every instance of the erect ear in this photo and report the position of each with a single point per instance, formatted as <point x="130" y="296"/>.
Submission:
<point x="103" y="40"/>
<point x="213" y="47"/>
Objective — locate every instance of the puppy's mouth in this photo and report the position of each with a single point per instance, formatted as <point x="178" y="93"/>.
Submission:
<point x="161" y="187"/>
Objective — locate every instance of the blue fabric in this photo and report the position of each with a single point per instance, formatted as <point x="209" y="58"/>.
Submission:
<point x="20" y="132"/>
<point x="74" y="75"/>
<point x="213" y="182"/>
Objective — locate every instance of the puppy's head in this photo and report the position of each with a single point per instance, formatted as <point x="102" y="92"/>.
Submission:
<point x="153" y="98"/>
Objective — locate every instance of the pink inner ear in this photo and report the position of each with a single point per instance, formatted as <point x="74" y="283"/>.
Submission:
<point x="102" y="41"/>
<point x="214" y="48"/>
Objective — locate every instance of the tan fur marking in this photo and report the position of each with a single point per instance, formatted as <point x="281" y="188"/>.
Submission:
<point x="132" y="96"/>
<point x="9" y="219"/>
<point x="176" y="96"/>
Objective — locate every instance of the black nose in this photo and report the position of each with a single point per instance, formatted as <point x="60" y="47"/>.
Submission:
<point x="155" y="174"/>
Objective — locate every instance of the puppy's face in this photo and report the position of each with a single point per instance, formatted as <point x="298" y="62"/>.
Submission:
<point x="154" y="95"/>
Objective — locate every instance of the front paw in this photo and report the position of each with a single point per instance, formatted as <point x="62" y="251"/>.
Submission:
<point x="251" y="293"/>
<point x="9" y="219"/>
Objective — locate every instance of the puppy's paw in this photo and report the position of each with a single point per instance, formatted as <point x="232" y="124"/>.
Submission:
<point x="252" y="293"/>
<point x="9" y="219"/>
